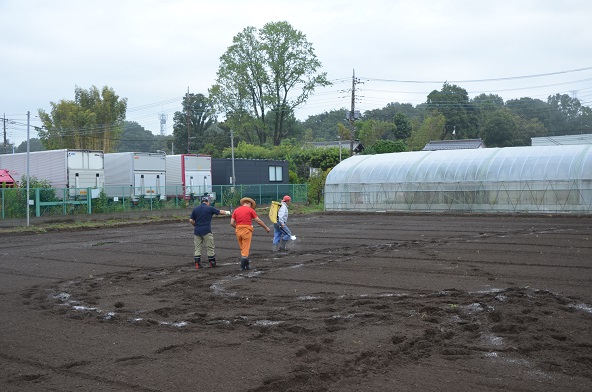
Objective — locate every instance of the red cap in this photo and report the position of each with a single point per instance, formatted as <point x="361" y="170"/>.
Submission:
<point x="287" y="198"/>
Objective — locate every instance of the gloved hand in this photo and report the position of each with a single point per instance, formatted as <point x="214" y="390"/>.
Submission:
<point x="228" y="213"/>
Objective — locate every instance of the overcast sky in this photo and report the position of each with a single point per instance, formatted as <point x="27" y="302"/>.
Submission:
<point x="152" y="51"/>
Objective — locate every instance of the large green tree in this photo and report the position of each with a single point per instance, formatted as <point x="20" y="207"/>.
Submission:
<point x="526" y="130"/>
<point x="403" y="127"/>
<point x="430" y="129"/>
<point x="370" y="131"/>
<point x="263" y="76"/>
<point x="391" y="110"/>
<point x="499" y="128"/>
<point x="534" y="109"/>
<point x="91" y="121"/>
<point x="461" y="116"/>
<point x="135" y="138"/>
<point x="190" y="126"/>
<point x="572" y="117"/>
<point x="324" y="126"/>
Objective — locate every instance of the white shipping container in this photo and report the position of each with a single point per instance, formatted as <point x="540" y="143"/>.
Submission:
<point x="135" y="174"/>
<point x="189" y="175"/>
<point x="74" y="169"/>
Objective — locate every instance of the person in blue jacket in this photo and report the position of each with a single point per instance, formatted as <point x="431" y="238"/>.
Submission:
<point x="201" y="219"/>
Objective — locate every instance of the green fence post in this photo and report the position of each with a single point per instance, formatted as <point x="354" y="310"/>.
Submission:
<point x="64" y="204"/>
<point x="88" y="201"/>
<point x="37" y="205"/>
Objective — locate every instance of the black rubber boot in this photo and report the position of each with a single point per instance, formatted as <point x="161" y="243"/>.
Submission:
<point x="283" y="246"/>
<point x="244" y="263"/>
<point x="212" y="261"/>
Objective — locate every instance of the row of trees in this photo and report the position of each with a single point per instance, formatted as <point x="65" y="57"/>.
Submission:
<point x="447" y="114"/>
<point x="264" y="75"/>
<point x="91" y="121"/>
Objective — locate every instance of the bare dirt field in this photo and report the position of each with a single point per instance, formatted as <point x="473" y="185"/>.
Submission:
<point x="378" y="302"/>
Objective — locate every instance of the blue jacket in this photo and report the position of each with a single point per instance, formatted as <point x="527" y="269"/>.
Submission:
<point x="202" y="215"/>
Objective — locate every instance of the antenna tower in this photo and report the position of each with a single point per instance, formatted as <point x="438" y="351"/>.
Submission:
<point x="163" y="120"/>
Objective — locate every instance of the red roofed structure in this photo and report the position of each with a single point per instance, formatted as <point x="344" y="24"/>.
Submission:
<point x="6" y="180"/>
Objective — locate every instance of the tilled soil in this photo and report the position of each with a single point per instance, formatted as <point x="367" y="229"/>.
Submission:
<point x="377" y="302"/>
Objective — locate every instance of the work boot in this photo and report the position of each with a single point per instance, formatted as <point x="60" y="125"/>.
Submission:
<point x="212" y="261"/>
<point x="244" y="263"/>
<point x="276" y="247"/>
<point x="248" y="264"/>
<point x="197" y="261"/>
<point x="283" y="246"/>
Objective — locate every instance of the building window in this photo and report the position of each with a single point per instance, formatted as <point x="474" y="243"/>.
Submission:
<point x="275" y="174"/>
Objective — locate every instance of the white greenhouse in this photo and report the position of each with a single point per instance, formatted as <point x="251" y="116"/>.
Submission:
<point x="512" y="179"/>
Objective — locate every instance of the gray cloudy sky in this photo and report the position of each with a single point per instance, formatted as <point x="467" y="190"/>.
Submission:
<point x="152" y="51"/>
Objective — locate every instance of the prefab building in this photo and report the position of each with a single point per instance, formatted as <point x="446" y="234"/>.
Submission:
<point x="76" y="170"/>
<point x="189" y="175"/>
<point x="262" y="179"/>
<point x="135" y="175"/>
<point x="512" y="179"/>
<point x="249" y="171"/>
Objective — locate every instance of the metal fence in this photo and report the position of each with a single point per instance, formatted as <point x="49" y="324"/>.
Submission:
<point x="68" y="201"/>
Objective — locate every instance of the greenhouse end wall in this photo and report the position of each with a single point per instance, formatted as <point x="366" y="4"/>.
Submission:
<point x="517" y="179"/>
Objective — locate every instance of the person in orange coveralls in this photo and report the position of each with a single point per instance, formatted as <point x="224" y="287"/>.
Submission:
<point x="242" y="221"/>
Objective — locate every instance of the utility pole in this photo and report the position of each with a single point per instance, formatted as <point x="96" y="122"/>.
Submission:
<point x="4" y="123"/>
<point x="187" y="121"/>
<point x="233" y="179"/>
<point x="28" y="167"/>
<point x="352" y="114"/>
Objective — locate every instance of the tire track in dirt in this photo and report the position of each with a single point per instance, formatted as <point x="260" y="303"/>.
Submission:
<point x="45" y="372"/>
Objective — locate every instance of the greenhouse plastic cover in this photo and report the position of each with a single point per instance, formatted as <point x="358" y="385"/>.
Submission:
<point x="548" y="163"/>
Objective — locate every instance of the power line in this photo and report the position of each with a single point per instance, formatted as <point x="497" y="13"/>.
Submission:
<point x="483" y="80"/>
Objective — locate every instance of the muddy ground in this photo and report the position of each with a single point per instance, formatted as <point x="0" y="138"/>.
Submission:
<point x="380" y="302"/>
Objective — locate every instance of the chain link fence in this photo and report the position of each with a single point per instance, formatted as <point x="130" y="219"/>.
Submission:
<point x="45" y="202"/>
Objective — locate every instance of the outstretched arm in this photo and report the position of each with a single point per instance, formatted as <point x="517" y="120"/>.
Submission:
<point x="262" y="224"/>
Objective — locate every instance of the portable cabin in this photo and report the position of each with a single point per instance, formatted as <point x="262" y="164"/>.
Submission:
<point x="250" y="171"/>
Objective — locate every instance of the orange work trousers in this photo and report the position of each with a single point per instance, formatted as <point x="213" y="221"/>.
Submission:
<point x="244" y="234"/>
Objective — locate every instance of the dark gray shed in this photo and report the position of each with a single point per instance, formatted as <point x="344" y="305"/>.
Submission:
<point x="249" y="171"/>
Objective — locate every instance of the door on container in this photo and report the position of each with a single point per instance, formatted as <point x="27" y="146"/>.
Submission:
<point x="198" y="182"/>
<point x="149" y="185"/>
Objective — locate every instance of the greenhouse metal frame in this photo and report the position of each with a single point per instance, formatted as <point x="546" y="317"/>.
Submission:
<point x="512" y="179"/>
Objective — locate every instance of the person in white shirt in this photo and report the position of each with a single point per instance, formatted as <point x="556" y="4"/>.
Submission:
<point x="281" y="232"/>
